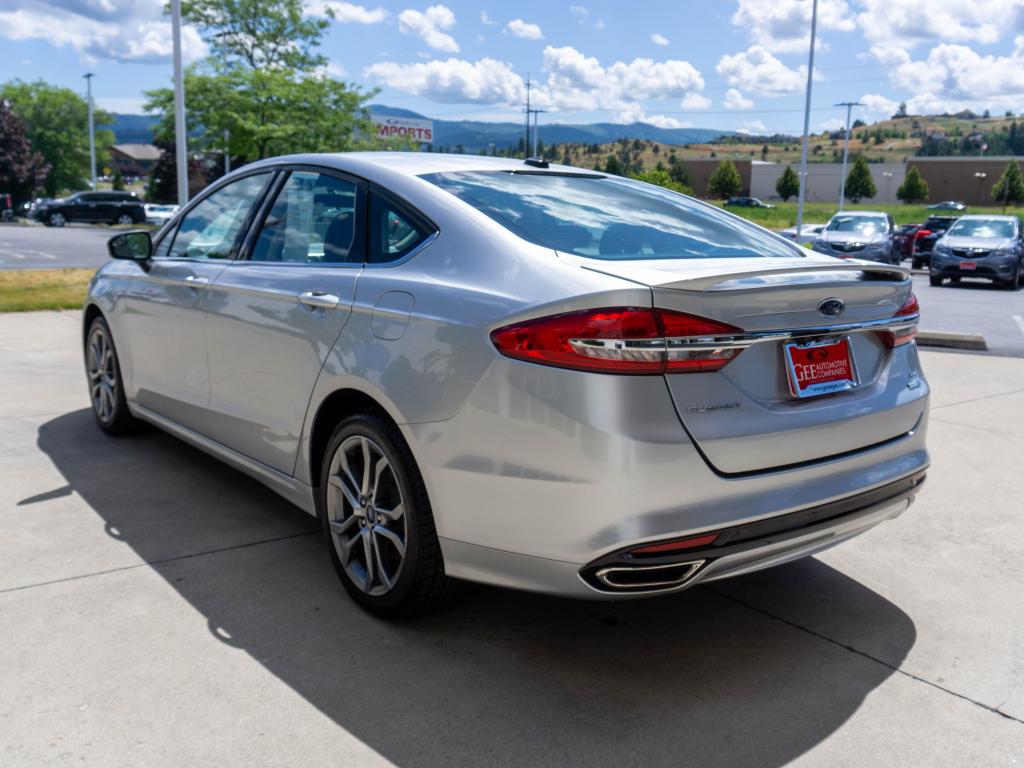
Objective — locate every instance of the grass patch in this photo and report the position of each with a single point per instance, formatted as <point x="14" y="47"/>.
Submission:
<point x="23" y="290"/>
<point x="784" y="214"/>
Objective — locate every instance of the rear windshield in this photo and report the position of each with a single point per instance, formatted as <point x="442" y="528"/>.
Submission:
<point x="857" y="224"/>
<point x="1000" y="228"/>
<point x="939" y="224"/>
<point x="608" y="218"/>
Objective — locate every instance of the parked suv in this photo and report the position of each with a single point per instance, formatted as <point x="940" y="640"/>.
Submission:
<point x="980" y="246"/>
<point x="926" y="237"/>
<point x="747" y="202"/>
<point x="92" y="207"/>
<point x="859" y="235"/>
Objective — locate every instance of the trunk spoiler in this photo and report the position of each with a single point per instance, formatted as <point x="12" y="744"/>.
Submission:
<point x="741" y="274"/>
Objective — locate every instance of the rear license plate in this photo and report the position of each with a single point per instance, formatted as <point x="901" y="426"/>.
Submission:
<point x="968" y="265"/>
<point x="820" y="367"/>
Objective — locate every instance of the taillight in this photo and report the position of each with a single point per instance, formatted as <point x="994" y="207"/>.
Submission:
<point x="910" y="309"/>
<point x="922" y="233"/>
<point x="630" y="340"/>
<point x="675" y="546"/>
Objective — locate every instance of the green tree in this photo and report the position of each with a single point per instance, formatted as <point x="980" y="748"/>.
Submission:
<point x="788" y="184"/>
<point x="264" y="85"/>
<point x="613" y="166"/>
<point x="678" y="172"/>
<point x="117" y="180"/>
<point x="56" y="124"/>
<point x="662" y="179"/>
<point x="914" y="189"/>
<point x="1010" y="187"/>
<point x="725" y="180"/>
<point x="22" y="168"/>
<point x="859" y="184"/>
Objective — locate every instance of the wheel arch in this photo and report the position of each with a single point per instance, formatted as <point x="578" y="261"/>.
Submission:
<point x="90" y="313"/>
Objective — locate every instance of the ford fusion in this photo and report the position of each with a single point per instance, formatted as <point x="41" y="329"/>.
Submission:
<point x="860" y="235"/>
<point x="545" y="378"/>
<point x="980" y="246"/>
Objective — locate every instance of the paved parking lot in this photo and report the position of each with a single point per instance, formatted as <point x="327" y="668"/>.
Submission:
<point x="33" y="246"/>
<point x="161" y="609"/>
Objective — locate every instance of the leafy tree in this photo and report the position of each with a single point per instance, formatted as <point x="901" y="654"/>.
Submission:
<point x="264" y="85"/>
<point x="858" y="123"/>
<point x="725" y="180"/>
<point x="678" y="172"/>
<point x="22" y="168"/>
<point x="859" y="184"/>
<point x="163" y="182"/>
<point x="788" y="184"/>
<point x="901" y="110"/>
<point x="613" y="166"/>
<point x="1010" y="187"/>
<point x="914" y="189"/>
<point x="662" y="179"/>
<point x="56" y="124"/>
<point x="764" y="152"/>
<point x="117" y="180"/>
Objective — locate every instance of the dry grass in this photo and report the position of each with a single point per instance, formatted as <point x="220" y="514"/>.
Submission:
<point x="22" y="290"/>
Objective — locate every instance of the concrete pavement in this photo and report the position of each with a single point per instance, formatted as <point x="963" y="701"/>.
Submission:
<point x="160" y="609"/>
<point x="33" y="246"/>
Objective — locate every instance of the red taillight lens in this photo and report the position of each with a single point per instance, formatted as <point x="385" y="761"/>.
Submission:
<point x="922" y="233"/>
<point x="630" y="340"/>
<point x="910" y="308"/>
<point x="675" y="546"/>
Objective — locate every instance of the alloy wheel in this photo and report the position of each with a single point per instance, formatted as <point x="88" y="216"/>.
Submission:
<point x="102" y="371"/>
<point x="366" y="515"/>
<point x="124" y="218"/>
<point x="57" y="220"/>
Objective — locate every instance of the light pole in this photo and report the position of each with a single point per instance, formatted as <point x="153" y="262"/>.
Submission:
<point x="536" y="132"/>
<point x="92" y="130"/>
<point x="180" y="139"/>
<point x="980" y="176"/>
<point x="887" y="175"/>
<point x="807" y="124"/>
<point x="846" y="148"/>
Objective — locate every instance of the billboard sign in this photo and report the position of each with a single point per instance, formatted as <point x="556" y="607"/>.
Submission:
<point x="389" y="127"/>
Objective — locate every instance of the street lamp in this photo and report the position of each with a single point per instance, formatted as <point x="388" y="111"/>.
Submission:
<point x="180" y="140"/>
<point x="807" y="123"/>
<point x="887" y="175"/>
<point x="846" y="147"/>
<point x="92" y="130"/>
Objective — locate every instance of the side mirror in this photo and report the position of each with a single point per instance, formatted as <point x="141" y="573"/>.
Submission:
<point x="137" y="246"/>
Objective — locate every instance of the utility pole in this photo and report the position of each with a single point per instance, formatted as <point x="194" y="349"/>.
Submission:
<point x="180" y="139"/>
<point x="536" y="132"/>
<point x="846" y="148"/>
<point x="227" y="151"/>
<point x="92" y="130"/>
<point x="526" y="145"/>
<point x="807" y="124"/>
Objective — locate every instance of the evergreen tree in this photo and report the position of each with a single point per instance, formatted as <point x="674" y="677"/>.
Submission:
<point x="725" y="180"/>
<point x="859" y="184"/>
<point x="1010" y="187"/>
<point x="613" y="166"/>
<point x="788" y="184"/>
<point x="914" y="189"/>
<point x="117" y="181"/>
<point x="677" y="170"/>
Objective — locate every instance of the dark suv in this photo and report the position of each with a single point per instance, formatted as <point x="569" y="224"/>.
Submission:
<point x="747" y="202"/>
<point x="925" y="238"/>
<point x="92" y="207"/>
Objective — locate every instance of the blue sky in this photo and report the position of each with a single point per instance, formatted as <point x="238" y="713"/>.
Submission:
<point x="731" y="64"/>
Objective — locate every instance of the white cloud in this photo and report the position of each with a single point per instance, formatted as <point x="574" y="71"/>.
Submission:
<point x="878" y="104"/>
<point x="906" y="23"/>
<point x="428" y="26"/>
<point x="833" y="124"/>
<point x="659" y="121"/>
<point x="783" y="26"/>
<point x="752" y="127"/>
<point x="127" y="105"/>
<point x="524" y="29"/>
<point x="757" y="70"/>
<point x="580" y="12"/>
<point x="659" y="39"/>
<point x="346" y="13"/>
<point x="487" y="20"/>
<point x="736" y="100"/>
<point x="695" y="101"/>
<point x="121" y="30"/>
<point x="599" y="24"/>
<point x="331" y="71"/>
<point x="486" y="81"/>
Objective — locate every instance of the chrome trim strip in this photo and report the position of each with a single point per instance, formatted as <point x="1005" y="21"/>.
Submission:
<point x="603" y="576"/>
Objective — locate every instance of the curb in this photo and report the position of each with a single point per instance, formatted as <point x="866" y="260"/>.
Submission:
<point x="951" y="340"/>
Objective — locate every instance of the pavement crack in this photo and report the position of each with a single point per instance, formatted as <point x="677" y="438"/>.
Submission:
<point x="159" y="561"/>
<point x="978" y="399"/>
<point x="865" y="654"/>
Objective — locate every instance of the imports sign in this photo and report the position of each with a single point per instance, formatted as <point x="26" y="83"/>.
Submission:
<point x="389" y="127"/>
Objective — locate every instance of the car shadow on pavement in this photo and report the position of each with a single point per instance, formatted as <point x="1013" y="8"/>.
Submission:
<point x="706" y="677"/>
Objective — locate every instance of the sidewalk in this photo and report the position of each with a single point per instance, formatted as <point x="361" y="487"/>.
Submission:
<point x="163" y="610"/>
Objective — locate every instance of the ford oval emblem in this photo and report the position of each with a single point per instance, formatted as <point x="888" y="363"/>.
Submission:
<point x="831" y="307"/>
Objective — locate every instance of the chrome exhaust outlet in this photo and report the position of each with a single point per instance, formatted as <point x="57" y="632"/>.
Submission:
<point x="647" y="578"/>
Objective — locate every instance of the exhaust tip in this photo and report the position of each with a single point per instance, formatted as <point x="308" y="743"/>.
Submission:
<point x="646" y="578"/>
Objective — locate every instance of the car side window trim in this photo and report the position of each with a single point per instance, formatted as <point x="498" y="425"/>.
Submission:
<point x="245" y="252"/>
<point x="406" y="209"/>
<point x="172" y="230"/>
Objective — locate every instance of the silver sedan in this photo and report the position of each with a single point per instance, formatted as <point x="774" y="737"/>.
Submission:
<point x="475" y="369"/>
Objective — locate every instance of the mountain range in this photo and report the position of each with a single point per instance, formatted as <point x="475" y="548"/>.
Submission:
<point x="478" y="135"/>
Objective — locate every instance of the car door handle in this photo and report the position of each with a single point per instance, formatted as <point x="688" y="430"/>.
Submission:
<point x="192" y="281"/>
<point x="319" y="299"/>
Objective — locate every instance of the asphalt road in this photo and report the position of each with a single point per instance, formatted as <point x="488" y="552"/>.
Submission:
<point x="971" y="307"/>
<point x="33" y="246"/>
<point x="161" y="609"/>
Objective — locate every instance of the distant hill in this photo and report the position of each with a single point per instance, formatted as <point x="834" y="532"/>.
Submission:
<point x="133" y="129"/>
<point x="477" y="135"/>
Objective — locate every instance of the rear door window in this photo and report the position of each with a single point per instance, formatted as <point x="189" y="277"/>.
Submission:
<point x="609" y="218"/>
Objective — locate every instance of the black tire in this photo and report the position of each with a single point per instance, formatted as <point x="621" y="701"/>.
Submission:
<point x="56" y="220"/>
<point x="1014" y="283"/>
<point x="916" y="263"/>
<point x="934" y="281"/>
<point x="106" y="389"/>
<point x="124" y="219"/>
<point x="421" y="584"/>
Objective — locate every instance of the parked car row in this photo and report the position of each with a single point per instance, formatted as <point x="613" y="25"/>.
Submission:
<point x="868" y="235"/>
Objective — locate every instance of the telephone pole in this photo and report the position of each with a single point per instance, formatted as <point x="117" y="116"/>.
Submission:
<point x="180" y="139"/>
<point x="92" y="130"/>
<point x="846" y="148"/>
<point x="526" y="145"/>
<point x="536" y="132"/>
<point x="807" y="125"/>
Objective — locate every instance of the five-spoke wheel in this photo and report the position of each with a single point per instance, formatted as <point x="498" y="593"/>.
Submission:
<point x="106" y="391"/>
